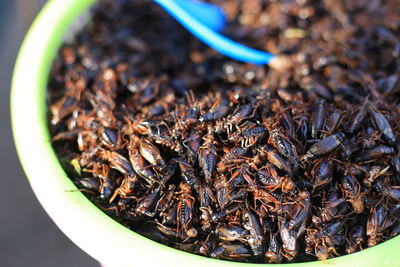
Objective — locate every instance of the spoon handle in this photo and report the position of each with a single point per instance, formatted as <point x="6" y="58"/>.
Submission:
<point x="213" y="39"/>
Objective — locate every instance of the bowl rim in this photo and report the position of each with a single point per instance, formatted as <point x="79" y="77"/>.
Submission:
<point x="86" y="225"/>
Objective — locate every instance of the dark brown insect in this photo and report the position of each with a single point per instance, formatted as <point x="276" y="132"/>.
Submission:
<point x="289" y="241"/>
<point x="356" y="239"/>
<point x="151" y="153"/>
<point x="319" y="119"/>
<point x="256" y="237"/>
<point x="323" y="147"/>
<point x="140" y="166"/>
<point x="353" y="193"/>
<point x="126" y="188"/>
<point x="274" y="251"/>
<point x="248" y="135"/>
<point x="232" y="233"/>
<point x="147" y="205"/>
<point x="188" y="174"/>
<point x="217" y="111"/>
<point x="322" y="172"/>
<point x="382" y="124"/>
<point x="117" y="161"/>
<point x="208" y="156"/>
<point x="241" y="113"/>
<point x="185" y="210"/>
<point x="276" y="159"/>
<point x="228" y="250"/>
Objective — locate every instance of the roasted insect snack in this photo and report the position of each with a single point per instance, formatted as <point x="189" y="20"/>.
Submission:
<point x="229" y="160"/>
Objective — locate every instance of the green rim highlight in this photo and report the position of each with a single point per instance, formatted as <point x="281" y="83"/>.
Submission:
<point x="86" y="225"/>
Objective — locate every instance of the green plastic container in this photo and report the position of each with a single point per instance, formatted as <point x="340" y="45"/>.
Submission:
<point x="87" y="226"/>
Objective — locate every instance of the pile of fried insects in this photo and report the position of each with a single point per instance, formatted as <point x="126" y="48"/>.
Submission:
<point x="230" y="160"/>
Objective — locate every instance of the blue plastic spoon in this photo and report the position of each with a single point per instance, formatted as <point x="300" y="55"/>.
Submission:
<point x="209" y="15"/>
<point x="203" y="20"/>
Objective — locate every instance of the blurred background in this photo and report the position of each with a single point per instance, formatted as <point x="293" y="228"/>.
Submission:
<point x="28" y="237"/>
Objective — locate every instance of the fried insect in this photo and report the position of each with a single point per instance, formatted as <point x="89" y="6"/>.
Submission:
<point x="323" y="147"/>
<point x="140" y="166"/>
<point x="151" y="153"/>
<point x="353" y="193"/>
<point x="382" y="124"/>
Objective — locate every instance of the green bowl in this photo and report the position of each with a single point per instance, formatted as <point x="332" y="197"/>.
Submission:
<point x="87" y="226"/>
